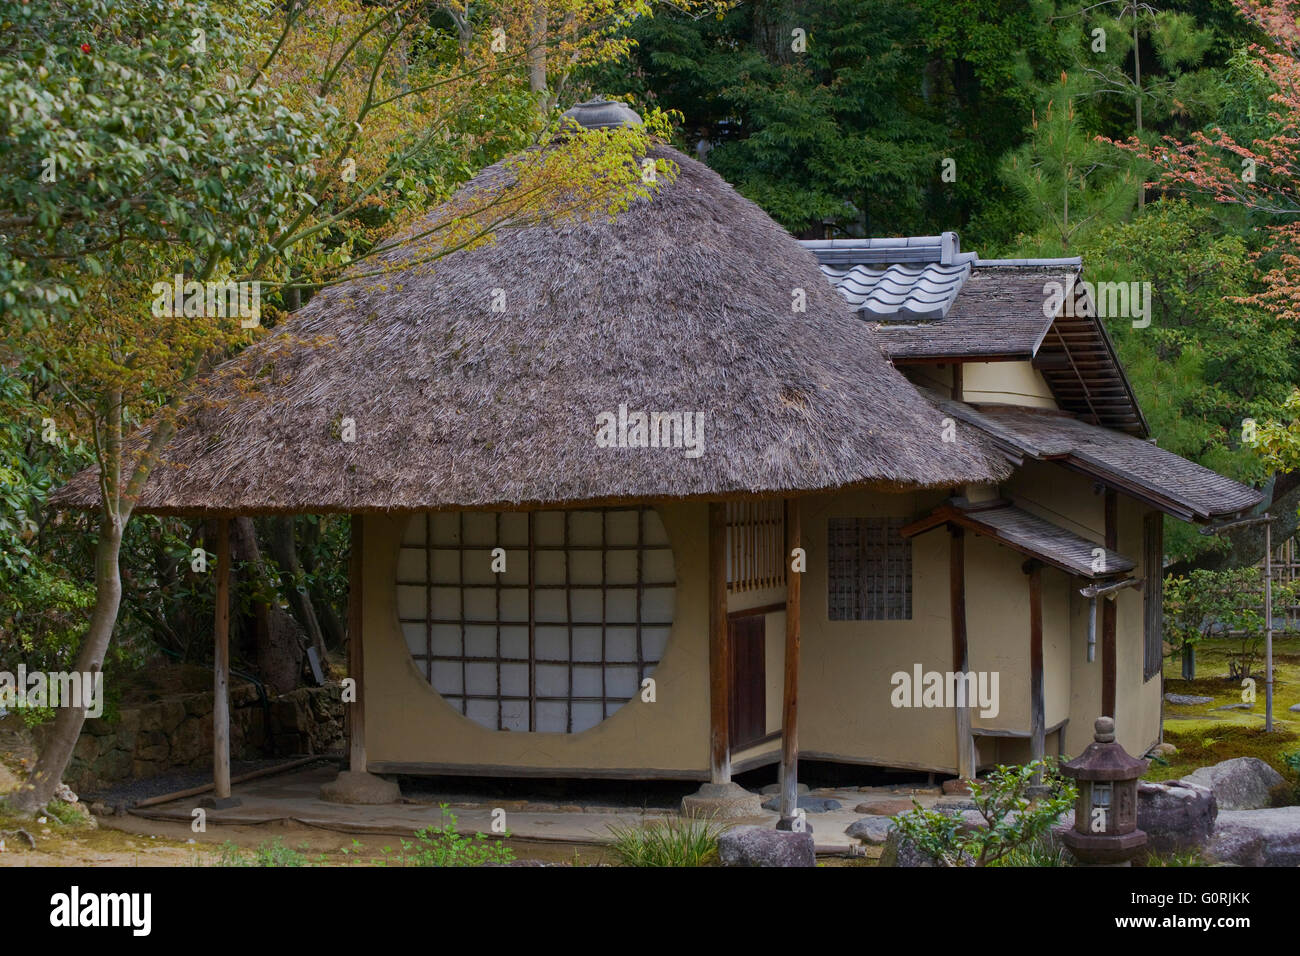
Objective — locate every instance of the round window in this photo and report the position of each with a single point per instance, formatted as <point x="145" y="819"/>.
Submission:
<point x="543" y="621"/>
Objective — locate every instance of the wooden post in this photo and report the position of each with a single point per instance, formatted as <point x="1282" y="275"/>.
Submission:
<point x="790" y="714"/>
<point x="1268" y="624"/>
<point x="719" y="658"/>
<point x="960" y="651"/>
<point x="1109" y="663"/>
<point x="357" y="710"/>
<point x="221" y="668"/>
<point x="1037" y="707"/>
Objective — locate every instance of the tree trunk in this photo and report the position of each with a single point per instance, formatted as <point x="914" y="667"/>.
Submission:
<point x="1189" y="662"/>
<point x="46" y="776"/>
<point x="279" y="640"/>
<point x="332" y="628"/>
<point x="537" y="49"/>
<point x="285" y="552"/>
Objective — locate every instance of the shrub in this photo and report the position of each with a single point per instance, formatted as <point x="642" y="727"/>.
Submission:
<point x="1013" y="822"/>
<point x="443" y="846"/>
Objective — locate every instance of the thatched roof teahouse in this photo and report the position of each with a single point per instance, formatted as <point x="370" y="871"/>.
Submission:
<point x="594" y="466"/>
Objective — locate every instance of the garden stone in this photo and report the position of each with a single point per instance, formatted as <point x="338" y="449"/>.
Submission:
<point x="1177" y="815"/>
<point x="761" y="846"/>
<point x="900" y="851"/>
<point x="873" y="830"/>
<point x="1257" y="837"/>
<point x="1295" y="708"/>
<point x="805" y="803"/>
<point x="1242" y="783"/>
<point x="954" y="803"/>
<point x="1236" y="707"/>
<point x="884" y="808"/>
<point x="1163" y="750"/>
<point x="1187" y="700"/>
<point x="775" y="788"/>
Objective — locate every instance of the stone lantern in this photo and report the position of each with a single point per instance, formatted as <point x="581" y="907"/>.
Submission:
<point x="1105" y="815"/>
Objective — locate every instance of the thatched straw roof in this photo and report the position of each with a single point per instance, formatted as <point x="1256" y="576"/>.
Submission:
<point x="683" y="303"/>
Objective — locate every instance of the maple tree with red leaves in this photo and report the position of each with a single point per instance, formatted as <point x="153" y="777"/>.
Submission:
<point x="1262" y="175"/>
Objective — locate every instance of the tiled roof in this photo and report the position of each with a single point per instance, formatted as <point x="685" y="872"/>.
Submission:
<point x="1146" y="471"/>
<point x="1030" y="535"/>
<point x="932" y="302"/>
<point x="900" y="293"/>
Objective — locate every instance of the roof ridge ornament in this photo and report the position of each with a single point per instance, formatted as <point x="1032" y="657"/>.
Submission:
<point x="600" y="113"/>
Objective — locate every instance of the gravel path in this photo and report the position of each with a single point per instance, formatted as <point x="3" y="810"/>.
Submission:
<point x="130" y="792"/>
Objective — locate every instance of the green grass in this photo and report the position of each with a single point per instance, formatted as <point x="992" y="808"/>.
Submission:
<point x="1206" y="736"/>
<point x="673" y="841"/>
<point x="1186" y="858"/>
<point x="274" y="853"/>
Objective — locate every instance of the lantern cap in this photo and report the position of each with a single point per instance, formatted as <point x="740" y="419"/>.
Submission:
<point x="1104" y="759"/>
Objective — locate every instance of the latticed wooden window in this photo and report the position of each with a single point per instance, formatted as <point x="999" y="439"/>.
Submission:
<point x="869" y="577"/>
<point x="755" y="545"/>
<point x="559" y="639"/>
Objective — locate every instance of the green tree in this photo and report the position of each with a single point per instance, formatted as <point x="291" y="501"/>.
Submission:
<point x="214" y="142"/>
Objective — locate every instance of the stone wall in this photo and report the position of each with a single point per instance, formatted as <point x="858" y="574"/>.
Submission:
<point x="176" y="734"/>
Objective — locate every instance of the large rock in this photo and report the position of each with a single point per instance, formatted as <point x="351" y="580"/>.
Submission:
<point x="1242" y="783"/>
<point x="1177" y="815"/>
<point x="806" y="803"/>
<point x="1257" y="837"/>
<point x="900" y="851"/>
<point x="761" y="846"/>
<point x="873" y="830"/>
<point x="775" y="788"/>
<point x="888" y="807"/>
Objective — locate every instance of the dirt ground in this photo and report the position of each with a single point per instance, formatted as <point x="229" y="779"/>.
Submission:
<point x="133" y="841"/>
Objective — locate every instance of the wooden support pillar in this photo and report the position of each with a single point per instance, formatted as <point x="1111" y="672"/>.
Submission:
<point x="1108" y="649"/>
<point x="719" y="656"/>
<point x="1037" y="706"/>
<point x="357" y="709"/>
<point x="960" y="651"/>
<point x="221" y="668"/>
<point x="790" y="713"/>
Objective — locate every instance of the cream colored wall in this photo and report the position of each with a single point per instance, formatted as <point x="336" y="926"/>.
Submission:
<point x="1137" y="702"/>
<point x="845" y="666"/>
<point x="1005" y="383"/>
<point x="408" y="723"/>
<point x="1057" y="586"/>
<point x="928" y="375"/>
<point x="997" y="628"/>
<point x="845" y="687"/>
<point x="1073" y="501"/>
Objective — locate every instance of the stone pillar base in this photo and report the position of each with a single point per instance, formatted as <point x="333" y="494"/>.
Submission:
<point x="722" y="800"/>
<point x="359" y="787"/>
<point x="220" y="803"/>
<point x="794" y="825"/>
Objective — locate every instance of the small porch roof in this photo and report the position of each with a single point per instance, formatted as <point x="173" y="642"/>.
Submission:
<point x="1130" y="464"/>
<point x="1027" y="533"/>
